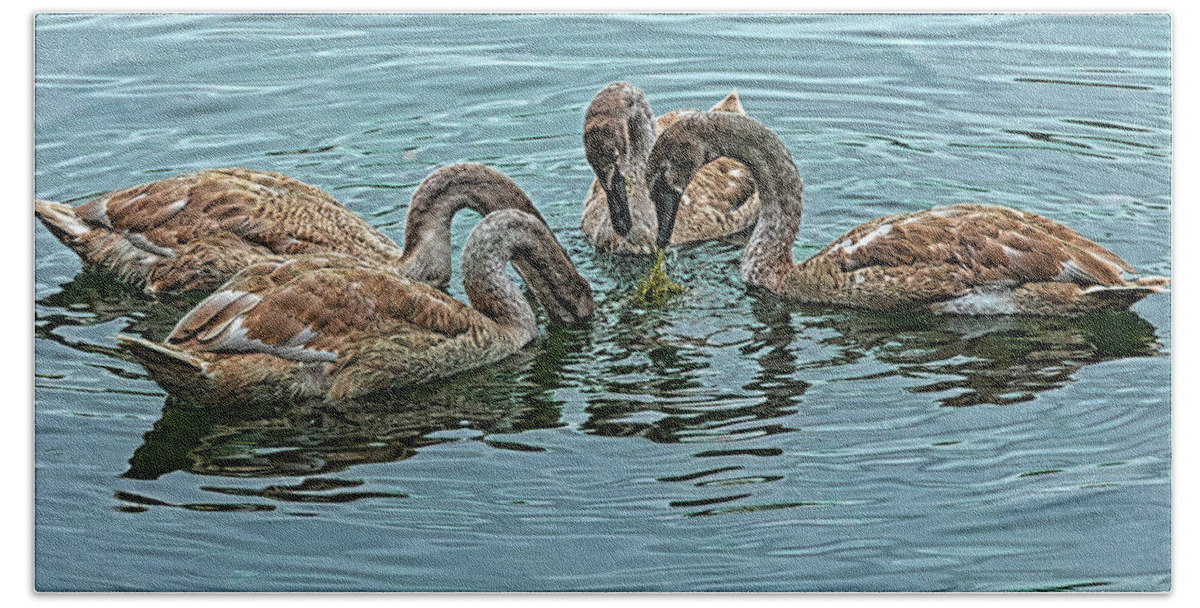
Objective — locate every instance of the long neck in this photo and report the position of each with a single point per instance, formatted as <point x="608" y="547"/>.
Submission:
<point x="485" y="279"/>
<point x="768" y="255"/>
<point x="512" y="235"/>
<point x="431" y="213"/>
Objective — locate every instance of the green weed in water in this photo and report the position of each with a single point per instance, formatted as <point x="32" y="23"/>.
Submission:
<point x="656" y="288"/>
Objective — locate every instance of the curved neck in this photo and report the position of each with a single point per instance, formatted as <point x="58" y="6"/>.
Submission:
<point x="511" y="235"/>
<point x="443" y="194"/>
<point x="768" y="255"/>
<point x="492" y="293"/>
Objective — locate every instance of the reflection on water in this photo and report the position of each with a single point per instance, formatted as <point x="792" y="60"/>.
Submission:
<point x="643" y="372"/>
<point x="730" y="441"/>
<point x="95" y="297"/>
<point x="310" y="439"/>
<point x="1000" y="360"/>
<point x="638" y="382"/>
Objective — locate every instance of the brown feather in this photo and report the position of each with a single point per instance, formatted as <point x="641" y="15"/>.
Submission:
<point x="721" y="200"/>
<point x="994" y="244"/>
<point x="194" y="231"/>
<point x="337" y="304"/>
<point x="334" y="326"/>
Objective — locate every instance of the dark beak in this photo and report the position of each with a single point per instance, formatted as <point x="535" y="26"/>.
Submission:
<point x="666" y="203"/>
<point x="618" y="201"/>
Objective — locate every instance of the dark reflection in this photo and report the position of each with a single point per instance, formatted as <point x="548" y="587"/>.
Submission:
<point x="663" y="377"/>
<point x="990" y="360"/>
<point x="660" y="387"/>
<point x="100" y="297"/>
<point x="313" y="439"/>
<point x="772" y="342"/>
<point x="136" y="503"/>
<point x="959" y="361"/>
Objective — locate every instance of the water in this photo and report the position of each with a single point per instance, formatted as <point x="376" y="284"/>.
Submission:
<point x="730" y="442"/>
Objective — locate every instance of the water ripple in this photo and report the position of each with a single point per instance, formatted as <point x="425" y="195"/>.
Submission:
<point x="732" y="441"/>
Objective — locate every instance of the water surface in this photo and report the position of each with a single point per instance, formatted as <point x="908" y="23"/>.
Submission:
<point x="730" y="442"/>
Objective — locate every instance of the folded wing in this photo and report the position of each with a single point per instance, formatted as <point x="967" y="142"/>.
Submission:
<point x="315" y="307"/>
<point x="990" y="244"/>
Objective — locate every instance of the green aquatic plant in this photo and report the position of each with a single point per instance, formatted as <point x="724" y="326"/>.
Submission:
<point x="656" y="288"/>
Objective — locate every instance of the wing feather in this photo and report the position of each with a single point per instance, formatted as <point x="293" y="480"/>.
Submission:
<point x="304" y="311"/>
<point x="284" y="215"/>
<point x="995" y="244"/>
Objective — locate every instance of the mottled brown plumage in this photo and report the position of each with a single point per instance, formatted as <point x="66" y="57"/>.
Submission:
<point x="192" y="232"/>
<point x="333" y="326"/>
<point x="619" y="132"/>
<point x="959" y="259"/>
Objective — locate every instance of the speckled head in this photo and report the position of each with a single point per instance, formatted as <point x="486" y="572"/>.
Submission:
<point x="677" y="155"/>
<point x="512" y="235"/>
<point x="618" y="132"/>
<point x="700" y="138"/>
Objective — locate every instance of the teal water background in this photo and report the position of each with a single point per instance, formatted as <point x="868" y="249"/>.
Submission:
<point x="729" y="442"/>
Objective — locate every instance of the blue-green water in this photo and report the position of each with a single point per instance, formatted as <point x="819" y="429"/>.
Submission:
<point x="730" y="442"/>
